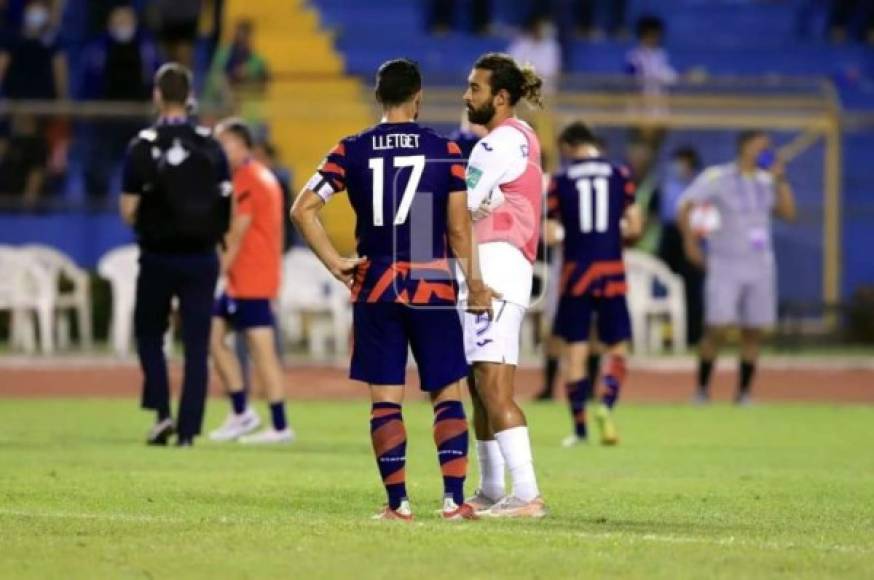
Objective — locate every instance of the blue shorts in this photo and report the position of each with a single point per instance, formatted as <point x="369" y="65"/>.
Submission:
<point x="383" y="331"/>
<point x="573" y="320"/>
<point x="244" y="313"/>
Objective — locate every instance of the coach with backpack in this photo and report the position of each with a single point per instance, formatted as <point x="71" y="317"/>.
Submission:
<point x="176" y="193"/>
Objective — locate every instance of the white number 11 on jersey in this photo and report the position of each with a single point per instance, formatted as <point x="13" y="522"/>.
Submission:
<point x="594" y="208"/>
<point x="377" y="166"/>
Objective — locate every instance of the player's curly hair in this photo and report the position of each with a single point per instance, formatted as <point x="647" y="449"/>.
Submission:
<point x="520" y="82"/>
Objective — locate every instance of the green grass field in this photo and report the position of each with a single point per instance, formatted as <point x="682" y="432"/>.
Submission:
<point x="771" y="491"/>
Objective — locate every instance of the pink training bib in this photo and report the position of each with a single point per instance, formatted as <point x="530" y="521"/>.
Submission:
<point x="517" y="220"/>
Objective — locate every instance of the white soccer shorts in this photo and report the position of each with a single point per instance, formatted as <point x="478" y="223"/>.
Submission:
<point x="495" y="340"/>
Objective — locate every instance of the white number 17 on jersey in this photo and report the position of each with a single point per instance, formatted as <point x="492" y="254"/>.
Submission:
<point x="377" y="166"/>
<point x="594" y="208"/>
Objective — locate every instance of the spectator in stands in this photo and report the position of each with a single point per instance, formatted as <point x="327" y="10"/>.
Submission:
<point x="23" y="160"/>
<point x="176" y="22"/>
<point x="851" y="18"/>
<point x="118" y="66"/>
<point x="441" y="16"/>
<point x="596" y="19"/>
<point x="31" y="65"/>
<point x="682" y="170"/>
<point x="648" y="62"/>
<point x="538" y="46"/>
<point x="236" y="67"/>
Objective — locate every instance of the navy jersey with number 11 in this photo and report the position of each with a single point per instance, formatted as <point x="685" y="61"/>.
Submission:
<point x="589" y="199"/>
<point x="398" y="177"/>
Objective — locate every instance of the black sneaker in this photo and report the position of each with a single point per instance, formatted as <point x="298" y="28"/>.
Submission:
<point x="185" y="441"/>
<point x="161" y="432"/>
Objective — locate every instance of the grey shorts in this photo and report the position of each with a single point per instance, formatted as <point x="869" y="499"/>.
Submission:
<point x="740" y="294"/>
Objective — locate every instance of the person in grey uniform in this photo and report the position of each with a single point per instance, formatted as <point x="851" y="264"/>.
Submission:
<point x="740" y="281"/>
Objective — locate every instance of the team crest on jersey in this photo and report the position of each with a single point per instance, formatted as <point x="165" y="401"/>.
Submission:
<point x="177" y="154"/>
<point x="473" y="176"/>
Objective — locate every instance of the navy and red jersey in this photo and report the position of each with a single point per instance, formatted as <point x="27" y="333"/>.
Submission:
<point x="398" y="177"/>
<point x="589" y="197"/>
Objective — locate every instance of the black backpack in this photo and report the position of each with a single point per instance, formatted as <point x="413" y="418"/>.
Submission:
<point x="185" y="200"/>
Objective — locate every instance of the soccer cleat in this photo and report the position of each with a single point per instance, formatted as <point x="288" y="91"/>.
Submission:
<point x="185" y="442"/>
<point x="573" y="441"/>
<point x="743" y="400"/>
<point x="403" y="513"/>
<point x="609" y="434"/>
<point x="454" y="513"/>
<point x="268" y="436"/>
<point x="513" y="507"/>
<point x="480" y="502"/>
<point x="701" y="398"/>
<point x="161" y="432"/>
<point x="235" y="426"/>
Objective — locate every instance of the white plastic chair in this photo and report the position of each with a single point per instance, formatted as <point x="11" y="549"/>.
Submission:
<point x="120" y="267"/>
<point x="536" y="310"/>
<point x="309" y="289"/>
<point x="649" y="312"/>
<point x="27" y="289"/>
<point x="74" y="300"/>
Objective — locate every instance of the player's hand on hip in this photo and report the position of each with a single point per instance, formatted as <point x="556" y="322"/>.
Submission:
<point x="694" y="253"/>
<point x="479" y="299"/>
<point x="343" y="269"/>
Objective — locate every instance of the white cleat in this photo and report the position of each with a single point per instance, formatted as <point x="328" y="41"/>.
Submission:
<point x="573" y="441"/>
<point x="235" y="426"/>
<point x="269" y="436"/>
<point x="480" y="502"/>
<point x="513" y="507"/>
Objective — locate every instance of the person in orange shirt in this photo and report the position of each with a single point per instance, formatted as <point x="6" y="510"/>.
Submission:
<point x="251" y="261"/>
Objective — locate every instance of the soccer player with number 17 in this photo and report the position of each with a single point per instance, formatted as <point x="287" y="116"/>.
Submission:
<point x="406" y="185"/>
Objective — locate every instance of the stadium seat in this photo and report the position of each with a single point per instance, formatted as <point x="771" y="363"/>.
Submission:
<point x="120" y="267"/>
<point x="75" y="299"/>
<point x="648" y="309"/>
<point x="26" y="289"/>
<point x="309" y="290"/>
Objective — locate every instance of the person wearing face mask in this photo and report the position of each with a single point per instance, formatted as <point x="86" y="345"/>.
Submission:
<point x="682" y="169"/>
<point x="32" y="66"/>
<point x="118" y="67"/>
<point x="740" y="282"/>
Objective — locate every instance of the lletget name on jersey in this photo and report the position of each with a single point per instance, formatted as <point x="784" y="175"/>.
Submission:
<point x="396" y="141"/>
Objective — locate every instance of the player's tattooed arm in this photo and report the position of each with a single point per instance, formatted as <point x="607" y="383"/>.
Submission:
<point x="463" y="244"/>
<point x="305" y="215"/>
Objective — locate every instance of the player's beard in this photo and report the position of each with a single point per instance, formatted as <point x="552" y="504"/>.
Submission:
<point x="482" y="115"/>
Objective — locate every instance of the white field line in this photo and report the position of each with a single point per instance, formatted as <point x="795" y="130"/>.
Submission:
<point x="730" y="541"/>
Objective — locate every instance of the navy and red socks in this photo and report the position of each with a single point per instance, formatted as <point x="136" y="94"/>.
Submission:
<point x="578" y="394"/>
<point x="389" y="437"/>
<point x="451" y="437"/>
<point x="614" y="376"/>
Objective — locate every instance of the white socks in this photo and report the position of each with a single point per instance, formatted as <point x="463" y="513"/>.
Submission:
<point x="491" y="469"/>
<point x="515" y="446"/>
